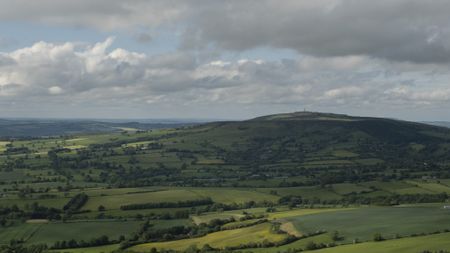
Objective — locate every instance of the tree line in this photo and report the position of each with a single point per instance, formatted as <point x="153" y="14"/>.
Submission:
<point x="185" y="203"/>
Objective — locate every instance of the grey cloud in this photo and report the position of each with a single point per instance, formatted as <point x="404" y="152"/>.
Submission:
<point x="143" y="37"/>
<point x="100" y="14"/>
<point x="415" y="31"/>
<point x="399" y="30"/>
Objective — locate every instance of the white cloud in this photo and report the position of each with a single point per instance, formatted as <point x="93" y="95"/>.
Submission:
<point x="351" y="91"/>
<point x="73" y="75"/>
<point x="55" y="90"/>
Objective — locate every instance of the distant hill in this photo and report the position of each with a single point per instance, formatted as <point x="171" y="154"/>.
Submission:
<point x="42" y="127"/>
<point x="310" y="137"/>
<point x="295" y="116"/>
<point x="438" y="123"/>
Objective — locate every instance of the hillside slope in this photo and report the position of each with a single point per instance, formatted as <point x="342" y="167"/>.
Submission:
<point x="297" y="149"/>
<point x="304" y="136"/>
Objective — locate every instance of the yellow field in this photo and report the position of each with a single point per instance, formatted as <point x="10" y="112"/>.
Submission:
<point x="137" y="144"/>
<point x="73" y="147"/>
<point x="300" y="212"/>
<point x="76" y="139"/>
<point x="257" y="233"/>
<point x="3" y="145"/>
<point x="289" y="228"/>
<point x="37" y="221"/>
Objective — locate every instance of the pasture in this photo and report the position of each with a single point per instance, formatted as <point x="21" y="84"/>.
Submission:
<point x="362" y="223"/>
<point x="433" y="243"/>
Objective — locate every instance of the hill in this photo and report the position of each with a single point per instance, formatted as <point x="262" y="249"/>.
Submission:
<point x="296" y="149"/>
<point x="314" y="139"/>
<point x="54" y="127"/>
<point x="309" y="148"/>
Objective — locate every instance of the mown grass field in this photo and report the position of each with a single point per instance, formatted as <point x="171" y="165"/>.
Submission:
<point x="52" y="232"/>
<point x="18" y="232"/>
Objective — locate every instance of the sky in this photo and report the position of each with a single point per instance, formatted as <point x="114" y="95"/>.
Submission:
<point x="224" y="59"/>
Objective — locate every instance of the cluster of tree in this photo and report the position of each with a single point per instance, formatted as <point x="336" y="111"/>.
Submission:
<point x="33" y="211"/>
<point x="243" y="225"/>
<point x="42" y="212"/>
<point x="185" y="203"/>
<point x="16" y="150"/>
<point x="359" y="199"/>
<point x="180" y="214"/>
<point x="233" y="206"/>
<point x="396" y="199"/>
<point x="76" y="202"/>
<point x="218" y="222"/>
<point x="17" y="247"/>
<point x="102" y="240"/>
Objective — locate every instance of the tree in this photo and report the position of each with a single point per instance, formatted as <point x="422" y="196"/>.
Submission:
<point x="336" y="236"/>
<point x="101" y="208"/>
<point x="311" y="245"/>
<point x="3" y="222"/>
<point x="378" y="237"/>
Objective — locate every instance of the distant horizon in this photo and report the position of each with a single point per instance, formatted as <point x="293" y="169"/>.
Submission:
<point x="157" y="120"/>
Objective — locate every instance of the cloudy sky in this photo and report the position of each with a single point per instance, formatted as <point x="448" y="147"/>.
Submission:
<point x="224" y="59"/>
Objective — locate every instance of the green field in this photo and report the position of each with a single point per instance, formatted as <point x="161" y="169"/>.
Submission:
<point x="18" y="232"/>
<point x="363" y="223"/>
<point x="405" y="245"/>
<point x="115" y="201"/>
